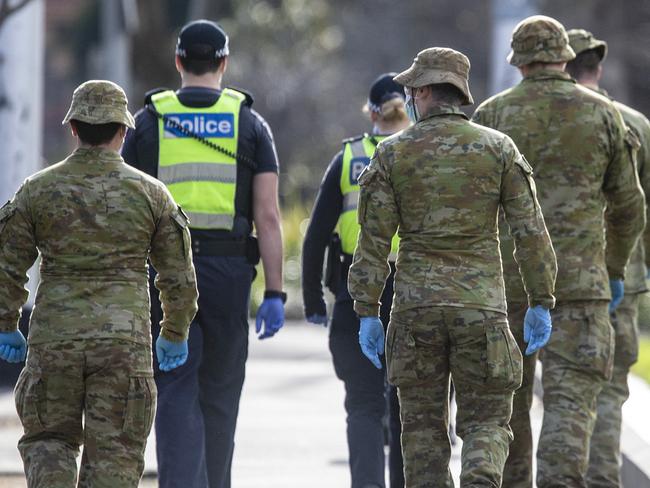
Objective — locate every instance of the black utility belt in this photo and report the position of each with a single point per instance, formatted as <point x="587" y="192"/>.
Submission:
<point x="246" y="246"/>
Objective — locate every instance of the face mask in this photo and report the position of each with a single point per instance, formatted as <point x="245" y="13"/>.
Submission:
<point x="411" y="109"/>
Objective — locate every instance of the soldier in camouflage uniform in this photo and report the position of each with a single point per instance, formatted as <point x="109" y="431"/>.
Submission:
<point x="94" y="221"/>
<point x="575" y="140"/>
<point x="604" y="451"/>
<point x="440" y="185"/>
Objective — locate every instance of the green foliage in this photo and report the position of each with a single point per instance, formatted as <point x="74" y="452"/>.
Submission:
<point x="294" y="224"/>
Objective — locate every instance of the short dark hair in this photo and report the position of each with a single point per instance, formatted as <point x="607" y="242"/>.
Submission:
<point x="201" y="64"/>
<point x="585" y="63"/>
<point x="447" y="93"/>
<point x="95" y="134"/>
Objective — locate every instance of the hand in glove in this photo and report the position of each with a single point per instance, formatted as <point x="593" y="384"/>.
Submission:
<point x="13" y="346"/>
<point x="537" y="328"/>
<point x="170" y="354"/>
<point x="618" y="290"/>
<point x="271" y="313"/>
<point x="371" y="339"/>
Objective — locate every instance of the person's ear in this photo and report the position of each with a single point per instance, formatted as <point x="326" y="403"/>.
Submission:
<point x="224" y="65"/>
<point x="599" y="72"/>
<point x="177" y="63"/>
<point x="73" y="129"/>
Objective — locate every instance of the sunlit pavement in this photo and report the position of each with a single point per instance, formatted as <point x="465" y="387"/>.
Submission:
<point x="291" y="431"/>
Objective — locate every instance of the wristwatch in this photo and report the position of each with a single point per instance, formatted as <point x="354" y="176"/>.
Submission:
<point x="276" y="294"/>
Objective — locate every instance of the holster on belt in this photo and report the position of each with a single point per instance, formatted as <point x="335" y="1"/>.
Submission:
<point x="333" y="264"/>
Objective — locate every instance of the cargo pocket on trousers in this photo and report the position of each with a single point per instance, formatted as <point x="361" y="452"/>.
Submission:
<point x="504" y="361"/>
<point x="140" y="406"/>
<point x="595" y="348"/>
<point x="401" y="356"/>
<point x="29" y="398"/>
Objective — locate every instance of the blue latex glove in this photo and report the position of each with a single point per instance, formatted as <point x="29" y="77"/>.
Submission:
<point x="271" y="313"/>
<point x="618" y="290"/>
<point x="371" y="339"/>
<point x="170" y="354"/>
<point x="537" y="328"/>
<point x="317" y="319"/>
<point x="13" y="346"/>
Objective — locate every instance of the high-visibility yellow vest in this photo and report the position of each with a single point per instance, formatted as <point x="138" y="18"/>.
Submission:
<point x="356" y="156"/>
<point x="202" y="180"/>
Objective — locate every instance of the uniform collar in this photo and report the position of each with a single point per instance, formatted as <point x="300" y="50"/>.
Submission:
<point x="549" y="74"/>
<point x="96" y="154"/>
<point x="442" y="110"/>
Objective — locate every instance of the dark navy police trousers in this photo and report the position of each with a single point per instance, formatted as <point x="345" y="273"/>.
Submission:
<point x="198" y="402"/>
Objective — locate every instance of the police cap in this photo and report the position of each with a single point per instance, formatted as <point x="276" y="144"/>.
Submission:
<point x="384" y="88"/>
<point x="202" y="40"/>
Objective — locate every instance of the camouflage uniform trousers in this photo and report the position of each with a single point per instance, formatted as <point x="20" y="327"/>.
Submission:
<point x="518" y="471"/>
<point x="424" y="346"/>
<point x="605" y="449"/>
<point x="576" y="364"/>
<point x="106" y="383"/>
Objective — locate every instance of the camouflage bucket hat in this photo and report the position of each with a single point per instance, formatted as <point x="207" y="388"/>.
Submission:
<point x="438" y="65"/>
<point x="539" y="39"/>
<point x="582" y="40"/>
<point x="99" y="102"/>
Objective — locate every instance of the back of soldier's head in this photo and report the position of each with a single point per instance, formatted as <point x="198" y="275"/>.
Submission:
<point x="590" y="52"/>
<point x="99" y="109"/>
<point x="202" y="47"/>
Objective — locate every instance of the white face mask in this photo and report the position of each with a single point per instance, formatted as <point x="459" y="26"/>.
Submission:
<point x="411" y="109"/>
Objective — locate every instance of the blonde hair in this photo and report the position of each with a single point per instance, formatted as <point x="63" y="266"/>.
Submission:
<point x="391" y="111"/>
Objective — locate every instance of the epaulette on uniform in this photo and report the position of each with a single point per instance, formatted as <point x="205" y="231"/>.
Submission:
<point x="151" y="93"/>
<point x="249" y="97"/>
<point x="353" y="139"/>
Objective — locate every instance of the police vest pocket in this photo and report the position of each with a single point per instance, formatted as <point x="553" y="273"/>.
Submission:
<point x="504" y="361"/>
<point x="29" y="398"/>
<point x="403" y="362"/>
<point x="595" y="348"/>
<point x="140" y="407"/>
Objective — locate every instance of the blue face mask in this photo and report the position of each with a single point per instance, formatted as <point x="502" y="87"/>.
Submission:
<point x="411" y="109"/>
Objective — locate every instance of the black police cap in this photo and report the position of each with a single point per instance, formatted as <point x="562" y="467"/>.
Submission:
<point x="202" y="40"/>
<point x="384" y="88"/>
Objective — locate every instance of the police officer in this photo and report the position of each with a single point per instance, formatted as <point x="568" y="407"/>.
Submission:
<point x="605" y="447"/>
<point x="440" y="184"/>
<point x="88" y="377"/>
<point x="217" y="157"/>
<point x="575" y="139"/>
<point x="336" y="206"/>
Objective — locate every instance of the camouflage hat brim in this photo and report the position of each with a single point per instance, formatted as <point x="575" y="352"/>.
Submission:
<point x="558" y="55"/>
<point x="415" y="77"/>
<point x="124" y="118"/>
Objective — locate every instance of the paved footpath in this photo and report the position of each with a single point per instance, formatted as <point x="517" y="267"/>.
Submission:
<point x="291" y="429"/>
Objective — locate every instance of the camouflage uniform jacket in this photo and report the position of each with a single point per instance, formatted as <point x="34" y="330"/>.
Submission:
<point x="94" y="221"/>
<point x="442" y="182"/>
<point x="635" y="275"/>
<point x="577" y="144"/>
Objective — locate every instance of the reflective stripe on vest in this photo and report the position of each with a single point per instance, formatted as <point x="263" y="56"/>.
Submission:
<point x="201" y="180"/>
<point x="356" y="156"/>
